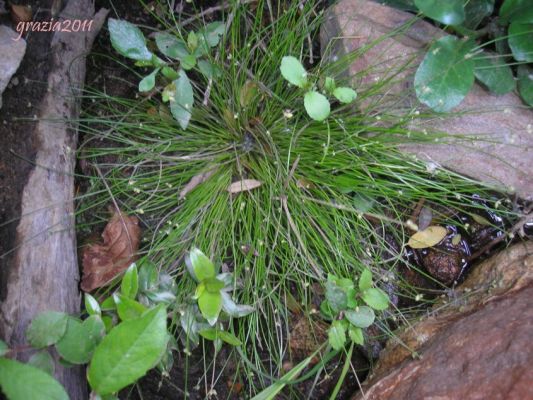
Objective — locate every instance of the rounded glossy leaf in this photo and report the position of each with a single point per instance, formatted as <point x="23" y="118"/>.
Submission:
<point x="148" y="82"/>
<point x="183" y="100"/>
<point x="517" y="11"/>
<point x="293" y="71"/>
<point x="128" y="308"/>
<point x="365" y="281"/>
<point x="23" y="382"/>
<point x="345" y="94"/>
<point x="316" y="105"/>
<point x="337" y="335"/>
<point x="428" y="237"/>
<point x="210" y="305"/>
<point x="521" y="41"/>
<point x="362" y="316"/>
<point x="200" y="266"/>
<point x="47" y="328"/>
<point x="128" y="352"/>
<point x="335" y="296"/>
<point x="329" y="84"/>
<point x="449" y="12"/>
<point x="44" y="361"/>
<point x="376" y="298"/>
<point x="494" y="73"/>
<point x="91" y="305"/>
<point x="130" y="282"/>
<point x="356" y="334"/>
<point x="80" y="340"/>
<point x="446" y="74"/>
<point x="148" y="276"/>
<point x="476" y="11"/>
<point x="128" y="40"/>
<point x="525" y="83"/>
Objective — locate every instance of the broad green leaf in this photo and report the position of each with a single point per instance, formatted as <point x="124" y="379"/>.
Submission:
<point x="517" y="11"/>
<point x="148" y="276"/>
<point x="128" y="308"/>
<point x="362" y="316"/>
<point x="210" y="305"/>
<point x="128" y="40"/>
<point x="188" y="62"/>
<point x="80" y="340"/>
<point x="47" y="328"/>
<point x="329" y="84"/>
<point x="200" y="289"/>
<point x="130" y="282"/>
<point x="91" y="305"/>
<point x="128" y="352"/>
<point x="213" y="285"/>
<point x="171" y="46"/>
<point x="525" y="83"/>
<point x="200" y="266"/>
<point x="335" y="296"/>
<point x="356" y="335"/>
<point x="148" y="82"/>
<point x="446" y="74"/>
<point x="24" y="382"/>
<point x="233" y="309"/>
<point x="494" y="73"/>
<point x="170" y="73"/>
<point x="44" y="361"/>
<point x="337" y="335"/>
<point x="365" y="281"/>
<point x="208" y="69"/>
<point x="428" y="237"/>
<point x="476" y="11"/>
<point x="316" y="105"/>
<point x="345" y="94"/>
<point x="108" y="304"/>
<point x="4" y="348"/>
<point x="183" y="100"/>
<point x="376" y="298"/>
<point x="449" y="12"/>
<point x="212" y="32"/>
<point x="521" y="41"/>
<point x="293" y="71"/>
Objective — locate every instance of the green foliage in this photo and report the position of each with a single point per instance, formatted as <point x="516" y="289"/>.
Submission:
<point x="130" y="282"/>
<point x="494" y="73"/>
<point x="525" y="83"/>
<point x="80" y="339"/>
<point x="449" y="12"/>
<point x="47" y="328"/>
<point x="342" y="306"/>
<point x="44" y="361"/>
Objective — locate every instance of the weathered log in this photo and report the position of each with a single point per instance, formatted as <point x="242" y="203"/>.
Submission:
<point x="44" y="273"/>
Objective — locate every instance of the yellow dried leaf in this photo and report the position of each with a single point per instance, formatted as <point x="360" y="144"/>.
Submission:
<point x="429" y="237"/>
<point x="244" y="185"/>
<point x="480" y="220"/>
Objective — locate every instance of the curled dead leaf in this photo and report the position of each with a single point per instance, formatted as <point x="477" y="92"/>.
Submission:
<point x="244" y="185"/>
<point x="428" y="237"/>
<point x="195" y="181"/>
<point x="20" y="13"/>
<point x="104" y="261"/>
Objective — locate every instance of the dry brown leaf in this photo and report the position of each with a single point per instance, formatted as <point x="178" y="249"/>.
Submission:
<point x="244" y="185"/>
<point x="195" y="181"/>
<point x="20" y="13"/>
<point x="429" y="237"/>
<point x="104" y="261"/>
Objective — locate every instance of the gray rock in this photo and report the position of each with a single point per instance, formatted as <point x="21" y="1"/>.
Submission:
<point x="492" y="142"/>
<point x="12" y="51"/>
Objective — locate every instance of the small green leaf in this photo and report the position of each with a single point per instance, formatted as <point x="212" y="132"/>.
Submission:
<point x="130" y="282"/>
<point x="192" y="41"/>
<point x="362" y="316"/>
<point x="517" y="11"/>
<point x="329" y="84"/>
<point x="232" y="309"/>
<point x="24" y="382"/>
<point x="335" y="296"/>
<point x="80" y="340"/>
<point x="525" y="83"/>
<point x="161" y="297"/>
<point x="356" y="335"/>
<point x="47" y="329"/>
<point x="210" y="305"/>
<point x="494" y="73"/>
<point x="316" y="105"/>
<point x="293" y="71"/>
<point x="188" y="62"/>
<point x="128" y="40"/>
<point x="128" y="352"/>
<point x="183" y="100"/>
<point x="108" y="304"/>
<point x="128" y="308"/>
<point x="446" y="74"/>
<point x="345" y="94"/>
<point x="108" y="322"/>
<point x="213" y="31"/>
<point x="365" y="281"/>
<point x="199" y="265"/>
<point x="376" y="298"/>
<point x="213" y="285"/>
<point x="208" y="69"/>
<point x="449" y="12"/>
<point x="91" y="305"/>
<point x="521" y="41"/>
<point x="337" y="335"/>
<point x="44" y="361"/>
<point x="148" y="82"/>
<point x="326" y="310"/>
<point x="170" y="73"/>
<point x="148" y="276"/>
<point x="213" y="334"/>
<point x="171" y="46"/>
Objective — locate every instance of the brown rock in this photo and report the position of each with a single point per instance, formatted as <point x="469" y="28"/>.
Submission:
<point x="492" y="142"/>
<point x="477" y="347"/>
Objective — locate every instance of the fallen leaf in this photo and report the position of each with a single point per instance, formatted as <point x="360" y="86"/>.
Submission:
<point x="21" y="13"/>
<point x="195" y="181"/>
<point x="102" y="262"/>
<point x="428" y="237"/>
<point x="244" y="185"/>
<point x="480" y="220"/>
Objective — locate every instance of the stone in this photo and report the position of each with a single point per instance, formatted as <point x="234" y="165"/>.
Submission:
<point x="476" y="346"/>
<point x="492" y="142"/>
<point x="12" y="51"/>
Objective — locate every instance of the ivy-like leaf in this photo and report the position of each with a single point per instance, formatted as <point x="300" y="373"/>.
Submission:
<point x="362" y="316"/>
<point x="446" y="74"/>
<point x="23" y="382"/>
<point x="128" y="40"/>
<point x="345" y="94"/>
<point x="183" y="100"/>
<point x="525" y="83"/>
<point x="293" y="71"/>
<point x="148" y="82"/>
<point x="521" y="41"/>
<point x="337" y="335"/>
<point x="128" y="352"/>
<point x="130" y="282"/>
<point x="376" y="298"/>
<point x="210" y="305"/>
<point x="47" y="329"/>
<point x="494" y="73"/>
<point x="449" y="12"/>
<point x="316" y="105"/>
<point x="199" y="265"/>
